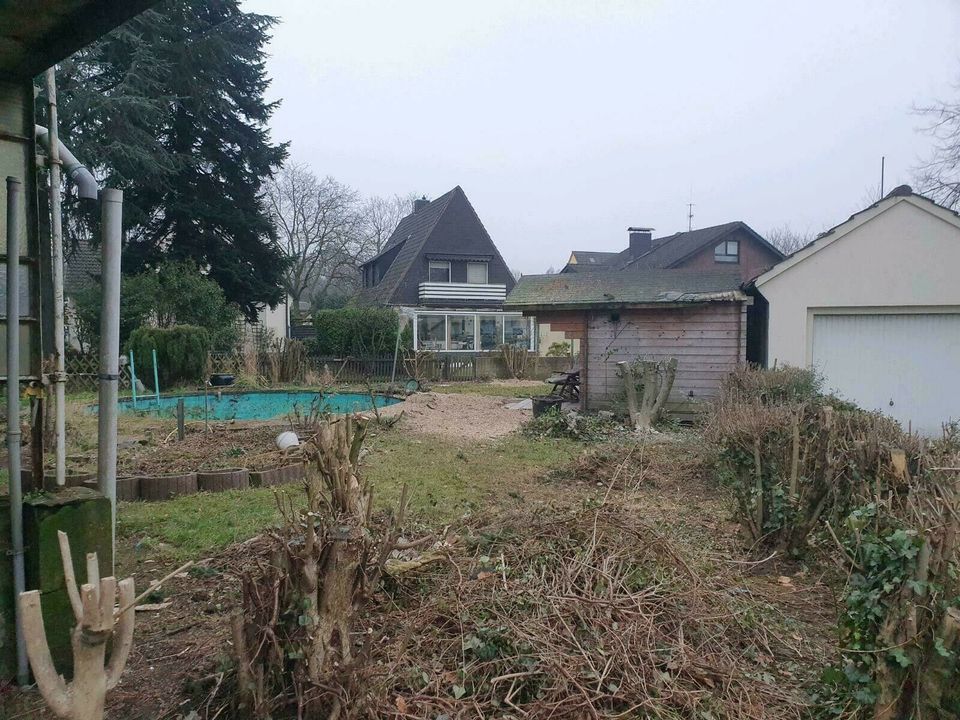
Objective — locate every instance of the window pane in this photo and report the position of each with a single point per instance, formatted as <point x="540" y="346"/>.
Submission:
<point x="439" y="272"/>
<point x="431" y="332"/>
<point x="461" y="332"/>
<point x="477" y="273"/>
<point x="491" y="332"/>
<point x="516" y="331"/>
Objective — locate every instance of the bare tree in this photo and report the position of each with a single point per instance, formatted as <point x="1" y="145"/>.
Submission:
<point x="381" y="215"/>
<point x="319" y="228"/>
<point x="787" y="240"/>
<point x="939" y="177"/>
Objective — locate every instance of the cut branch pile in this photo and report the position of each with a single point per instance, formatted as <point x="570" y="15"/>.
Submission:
<point x="585" y="614"/>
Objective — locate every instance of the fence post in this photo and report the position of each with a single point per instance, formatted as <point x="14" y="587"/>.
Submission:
<point x="181" y="431"/>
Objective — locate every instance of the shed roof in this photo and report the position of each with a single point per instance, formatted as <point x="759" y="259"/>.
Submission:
<point x="623" y="289"/>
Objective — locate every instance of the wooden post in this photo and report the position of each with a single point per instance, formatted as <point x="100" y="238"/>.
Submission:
<point x="181" y="432"/>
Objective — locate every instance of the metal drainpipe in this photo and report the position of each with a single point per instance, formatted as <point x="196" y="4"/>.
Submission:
<point x="76" y="170"/>
<point x="56" y="258"/>
<point x="111" y="228"/>
<point x="14" y="221"/>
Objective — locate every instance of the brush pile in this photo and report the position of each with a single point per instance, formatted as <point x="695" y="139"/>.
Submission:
<point x="584" y="613"/>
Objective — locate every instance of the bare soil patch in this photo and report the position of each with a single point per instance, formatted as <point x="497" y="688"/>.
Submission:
<point x="465" y="416"/>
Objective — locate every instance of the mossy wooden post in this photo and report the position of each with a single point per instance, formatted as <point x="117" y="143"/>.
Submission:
<point x="97" y="624"/>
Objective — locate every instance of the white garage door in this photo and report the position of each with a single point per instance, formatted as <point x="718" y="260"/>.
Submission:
<point x="908" y="366"/>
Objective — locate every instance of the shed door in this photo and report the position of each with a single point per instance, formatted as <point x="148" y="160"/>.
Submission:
<point x="907" y="366"/>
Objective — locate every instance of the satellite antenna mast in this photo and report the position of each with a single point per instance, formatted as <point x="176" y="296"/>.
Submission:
<point x="883" y="161"/>
<point x="689" y="217"/>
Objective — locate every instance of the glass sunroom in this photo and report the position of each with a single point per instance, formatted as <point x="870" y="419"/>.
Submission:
<point x="440" y="331"/>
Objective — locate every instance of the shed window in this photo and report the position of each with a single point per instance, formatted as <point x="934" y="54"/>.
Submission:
<point x="439" y="271"/>
<point x="477" y="273"/>
<point x="728" y="251"/>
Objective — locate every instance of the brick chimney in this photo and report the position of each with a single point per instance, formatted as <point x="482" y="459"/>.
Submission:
<point x="640" y="240"/>
<point x="420" y="203"/>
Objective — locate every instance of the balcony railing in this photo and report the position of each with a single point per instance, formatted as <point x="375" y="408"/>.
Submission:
<point x="454" y="292"/>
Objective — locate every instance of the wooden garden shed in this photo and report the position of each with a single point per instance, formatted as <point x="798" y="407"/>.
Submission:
<point x="698" y="317"/>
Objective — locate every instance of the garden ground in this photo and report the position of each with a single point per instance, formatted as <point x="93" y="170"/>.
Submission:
<point x="492" y="491"/>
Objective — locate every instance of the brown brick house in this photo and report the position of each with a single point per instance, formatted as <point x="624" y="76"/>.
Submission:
<point x="731" y="245"/>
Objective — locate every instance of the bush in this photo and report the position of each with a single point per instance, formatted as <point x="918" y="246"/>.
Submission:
<point x="785" y="384"/>
<point x="572" y="426"/>
<point x="173" y="294"/>
<point x="182" y="352"/>
<point x="356" y="332"/>
<point x="559" y="349"/>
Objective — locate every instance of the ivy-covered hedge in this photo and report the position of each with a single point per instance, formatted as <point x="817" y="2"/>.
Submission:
<point x="181" y="353"/>
<point x="355" y="332"/>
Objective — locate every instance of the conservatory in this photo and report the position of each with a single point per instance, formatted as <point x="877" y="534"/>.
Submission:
<point x="458" y="331"/>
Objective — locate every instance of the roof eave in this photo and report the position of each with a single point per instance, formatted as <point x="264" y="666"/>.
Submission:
<point x="687" y="299"/>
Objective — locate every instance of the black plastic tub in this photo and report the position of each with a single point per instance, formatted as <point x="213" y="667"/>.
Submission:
<point x="222" y="379"/>
<point x="545" y="403"/>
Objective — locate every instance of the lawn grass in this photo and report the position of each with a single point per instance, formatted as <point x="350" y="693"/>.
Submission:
<point x="447" y="480"/>
<point x="493" y="388"/>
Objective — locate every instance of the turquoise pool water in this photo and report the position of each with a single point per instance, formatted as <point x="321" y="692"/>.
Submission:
<point x="256" y="405"/>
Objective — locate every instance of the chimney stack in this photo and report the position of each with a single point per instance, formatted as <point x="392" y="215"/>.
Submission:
<point x="420" y="203"/>
<point x="641" y="239"/>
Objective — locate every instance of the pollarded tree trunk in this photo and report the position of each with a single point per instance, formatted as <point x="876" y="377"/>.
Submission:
<point x="658" y="379"/>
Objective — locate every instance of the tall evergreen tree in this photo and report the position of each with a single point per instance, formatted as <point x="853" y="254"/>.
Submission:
<point x="170" y="108"/>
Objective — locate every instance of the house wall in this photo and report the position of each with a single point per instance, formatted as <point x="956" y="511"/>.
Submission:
<point x="754" y="257"/>
<point x="708" y="341"/>
<point x="903" y="259"/>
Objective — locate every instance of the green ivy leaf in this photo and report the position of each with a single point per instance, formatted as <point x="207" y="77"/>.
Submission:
<point x="459" y="691"/>
<point x="901" y="658"/>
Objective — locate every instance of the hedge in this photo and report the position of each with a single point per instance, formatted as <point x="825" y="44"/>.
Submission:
<point x="356" y="332"/>
<point x="181" y="353"/>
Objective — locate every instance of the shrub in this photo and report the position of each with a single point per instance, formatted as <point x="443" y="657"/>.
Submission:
<point x="559" y="349"/>
<point x="572" y="425"/>
<point x="173" y="294"/>
<point x="182" y="352"/>
<point x="356" y="332"/>
<point x="784" y="384"/>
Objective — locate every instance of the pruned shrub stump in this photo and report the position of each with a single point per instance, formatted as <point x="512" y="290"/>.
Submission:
<point x="164" y="487"/>
<point x="221" y="480"/>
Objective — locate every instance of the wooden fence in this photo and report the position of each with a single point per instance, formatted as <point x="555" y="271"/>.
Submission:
<point x="82" y="370"/>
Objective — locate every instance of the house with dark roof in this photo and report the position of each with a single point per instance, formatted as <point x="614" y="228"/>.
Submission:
<point x="697" y="316"/>
<point x="734" y="244"/>
<point x="441" y="269"/>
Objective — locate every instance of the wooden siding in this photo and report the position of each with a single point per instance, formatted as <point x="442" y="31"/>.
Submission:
<point x="709" y="341"/>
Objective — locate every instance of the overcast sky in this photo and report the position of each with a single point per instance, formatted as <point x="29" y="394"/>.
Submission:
<point x="565" y="121"/>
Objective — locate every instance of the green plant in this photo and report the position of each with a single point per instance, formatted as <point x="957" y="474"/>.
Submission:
<point x="559" y="349"/>
<point x="182" y="352"/>
<point x="356" y="332"/>
<point x="571" y="425"/>
<point x="175" y="293"/>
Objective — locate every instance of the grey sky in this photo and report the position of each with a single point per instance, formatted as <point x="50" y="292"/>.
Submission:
<point x="567" y="121"/>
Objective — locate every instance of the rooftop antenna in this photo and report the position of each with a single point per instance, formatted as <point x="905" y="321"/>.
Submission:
<point x="689" y="217"/>
<point x="883" y="161"/>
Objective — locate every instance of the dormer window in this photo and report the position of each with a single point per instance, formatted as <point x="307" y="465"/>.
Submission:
<point x="727" y="252"/>
<point x="477" y="273"/>
<point x="439" y="271"/>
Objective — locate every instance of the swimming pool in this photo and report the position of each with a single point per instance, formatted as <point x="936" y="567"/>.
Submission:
<point x="256" y="405"/>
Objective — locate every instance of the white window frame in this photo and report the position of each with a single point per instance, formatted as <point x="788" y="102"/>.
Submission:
<point x="439" y="264"/>
<point x="726" y="256"/>
<point x="532" y="324"/>
<point x="486" y="272"/>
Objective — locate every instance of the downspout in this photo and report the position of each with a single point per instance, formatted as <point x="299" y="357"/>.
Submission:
<point x="76" y="170"/>
<point x="56" y="262"/>
<point x="111" y="228"/>
<point x="14" y="220"/>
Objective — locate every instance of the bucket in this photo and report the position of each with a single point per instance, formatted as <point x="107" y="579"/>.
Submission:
<point x="546" y="403"/>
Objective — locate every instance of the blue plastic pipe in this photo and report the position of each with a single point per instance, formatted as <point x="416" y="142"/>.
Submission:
<point x="156" y="380"/>
<point x="133" y="381"/>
